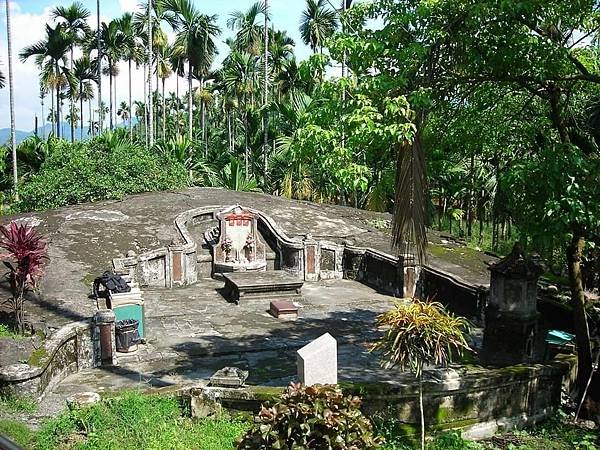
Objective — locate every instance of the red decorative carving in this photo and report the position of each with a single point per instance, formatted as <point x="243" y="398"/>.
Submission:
<point x="239" y="219"/>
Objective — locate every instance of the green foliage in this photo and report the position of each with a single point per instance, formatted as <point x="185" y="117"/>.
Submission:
<point x="18" y="432"/>
<point x="17" y="404"/>
<point x="420" y="333"/>
<point x="134" y="421"/>
<point x="311" y="417"/>
<point x="6" y="332"/>
<point x="107" y="167"/>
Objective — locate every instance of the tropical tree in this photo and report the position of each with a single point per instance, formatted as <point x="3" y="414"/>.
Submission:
<point x="317" y="23"/>
<point x="164" y="71"/>
<point x="194" y="42"/>
<point x="420" y="333"/>
<point x="112" y="42"/>
<point x="123" y="111"/>
<point x="249" y="31"/>
<point x="50" y="55"/>
<point x="131" y="52"/>
<point x="83" y="72"/>
<point x="74" y="18"/>
<point x="13" y="143"/>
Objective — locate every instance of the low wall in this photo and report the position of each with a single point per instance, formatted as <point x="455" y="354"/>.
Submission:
<point x="67" y="351"/>
<point x="480" y="402"/>
<point x="462" y="298"/>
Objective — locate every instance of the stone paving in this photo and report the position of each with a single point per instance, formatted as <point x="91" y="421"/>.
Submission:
<point x="193" y="331"/>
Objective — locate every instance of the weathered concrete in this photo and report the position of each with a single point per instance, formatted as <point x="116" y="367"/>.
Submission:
<point x="85" y="238"/>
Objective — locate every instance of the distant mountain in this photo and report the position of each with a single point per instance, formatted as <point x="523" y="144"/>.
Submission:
<point x="65" y="132"/>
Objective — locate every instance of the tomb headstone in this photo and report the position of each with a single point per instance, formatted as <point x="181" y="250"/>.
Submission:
<point x="317" y="361"/>
<point x="513" y="332"/>
<point x="240" y="246"/>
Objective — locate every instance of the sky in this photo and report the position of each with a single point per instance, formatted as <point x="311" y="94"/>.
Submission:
<point x="28" y="20"/>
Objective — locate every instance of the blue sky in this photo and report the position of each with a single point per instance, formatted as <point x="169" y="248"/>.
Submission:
<point x="28" y="18"/>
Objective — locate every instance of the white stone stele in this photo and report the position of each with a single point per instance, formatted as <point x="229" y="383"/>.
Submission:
<point x="317" y="361"/>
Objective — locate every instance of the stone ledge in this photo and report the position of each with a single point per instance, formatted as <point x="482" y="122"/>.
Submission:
<point x="63" y="353"/>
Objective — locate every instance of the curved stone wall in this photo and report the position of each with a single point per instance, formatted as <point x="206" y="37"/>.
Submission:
<point x="67" y="351"/>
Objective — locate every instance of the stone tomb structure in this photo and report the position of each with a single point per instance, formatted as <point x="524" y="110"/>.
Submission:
<point x="514" y="332"/>
<point x="240" y="247"/>
<point x="243" y="239"/>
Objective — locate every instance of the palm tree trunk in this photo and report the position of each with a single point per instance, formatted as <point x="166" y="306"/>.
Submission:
<point x="190" y="124"/>
<point x="229" y="141"/>
<point x="130" y="110"/>
<point x="43" y="120"/>
<point x="177" y="104"/>
<point x="71" y="101"/>
<point x="52" y="113"/>
<point x="266" y="97"/>
<point x="115" y="98"/>
<point x="202" y="114"/>
<point x="146" y="114"/>
<point x="56" y="72"/>
<point x="164" y="112"/>
<point x="13" y="138"/>
<point x="90" y="118"/>
<point x="81" y="110"/>
<point x="110" y="96"/>
<point x="99" y="49"/>
<point x="150" y="101"/>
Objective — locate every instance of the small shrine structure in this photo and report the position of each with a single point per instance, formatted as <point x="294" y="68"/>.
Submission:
<point x="240" y="247"/>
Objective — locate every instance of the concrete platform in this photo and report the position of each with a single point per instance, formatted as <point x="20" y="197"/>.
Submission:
<point x="275" y="284"/>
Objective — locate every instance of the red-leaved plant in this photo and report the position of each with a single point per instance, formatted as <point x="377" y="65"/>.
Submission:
<point x="26" y="252"/>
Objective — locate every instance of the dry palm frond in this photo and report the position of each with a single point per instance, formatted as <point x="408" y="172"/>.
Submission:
<point x="408" y="220"/>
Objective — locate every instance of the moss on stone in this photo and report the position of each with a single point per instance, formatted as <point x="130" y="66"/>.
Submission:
<point x="266" y="393"/>
<point x="38" y="357"/>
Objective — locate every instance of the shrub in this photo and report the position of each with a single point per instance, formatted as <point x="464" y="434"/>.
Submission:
<point x="311" y="417"/>
<point x="103" y="168"/>
<point x="420" y="333"/>
<point x="27" y="252"/>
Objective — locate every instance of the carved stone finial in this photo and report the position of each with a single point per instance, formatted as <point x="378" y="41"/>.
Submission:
<point x="518" y="265"/>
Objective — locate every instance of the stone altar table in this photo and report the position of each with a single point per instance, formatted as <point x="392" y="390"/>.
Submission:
<point x="276" y="284"/>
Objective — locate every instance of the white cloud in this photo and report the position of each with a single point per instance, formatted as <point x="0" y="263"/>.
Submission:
<point x="29" y="28"/>
<point x="128" y="5"/>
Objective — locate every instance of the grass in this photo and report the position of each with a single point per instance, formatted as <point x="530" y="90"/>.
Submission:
<point x="554" y="434"/>
<point x="132" y="421"/>
<point x="17" y="404"/>
<point x="7" y="332"/>
<point x="18" y="432"/>
<point x="142" y="421"/>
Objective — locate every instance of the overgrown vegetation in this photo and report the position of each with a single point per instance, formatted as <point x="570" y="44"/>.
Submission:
<point x="134" y="420"/>
<point x="131" y="421"/>
<point x="319" y="417"/>
<point x="419" y="333"/>
<point x="107" y="167"/>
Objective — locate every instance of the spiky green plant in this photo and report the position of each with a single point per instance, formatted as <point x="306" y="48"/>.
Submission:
<point x="420" y="333"/>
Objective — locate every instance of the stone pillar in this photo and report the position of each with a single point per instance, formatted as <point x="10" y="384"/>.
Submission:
<point x="513" y="333"/>
<point x="104" y="338"/>
<point x="311" y="259"/>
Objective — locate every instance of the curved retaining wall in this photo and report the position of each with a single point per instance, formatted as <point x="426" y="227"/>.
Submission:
<point x="480" y="403"/>
<point x="309" y="259"/>
<point x="67" y="351"/>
